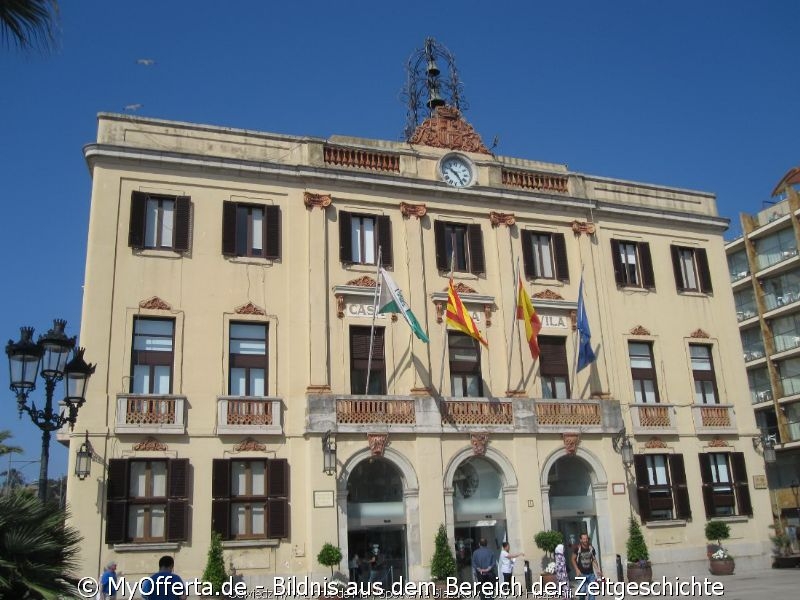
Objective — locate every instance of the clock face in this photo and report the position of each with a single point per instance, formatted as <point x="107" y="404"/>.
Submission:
<point x="456" y="171"/>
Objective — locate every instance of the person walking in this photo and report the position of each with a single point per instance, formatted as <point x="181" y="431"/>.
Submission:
<point x="107" y="590"/>
<point x="562" y="577"/>
<point x="507" y="564"/>
<point x="165" y="584"/>
<point x="483" y="564"/>
<point x="587" y="569"/>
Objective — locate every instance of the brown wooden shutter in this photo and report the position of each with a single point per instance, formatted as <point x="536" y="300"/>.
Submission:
<point x="178" y="477"/>
<point x="220" y="478"/>
<point x="138" y="221"/>
<point x="648" y="277"/>
<point x="272" y="244"/>
<point x="278" y="478"/>
<point x="703" y="272"/>
<point x="117" y="479"/>
<point x="708" y="484"/>
<point x="359" y="348"/>
<point x="553" y="355"/>
<point x="560" y="251"/>
<point x="676" y="267"/>
<point x="527" y="254"/>
<point x="229" y="228"/>
<point x="739" y="476"/>
<point x="442" y="260"/>
<point x="277" y="518"/>
<point x="117" y="501"/>
<point x="221" y="517"/>
<point x="680" y="491"/>
<point x="385" y="240"/>
<point x="183" y="220"/>
<point x="345" y="237"/>
<point x="619" y="273"/>
<point x="477" y="264"/>
<point x="642" y="486"/>
<point x="177" y="520"/>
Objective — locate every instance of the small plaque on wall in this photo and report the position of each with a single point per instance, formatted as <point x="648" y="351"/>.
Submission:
<point x="760" y="482"/>
<point x="618" y="488"/>
<point x="323" y="498"/>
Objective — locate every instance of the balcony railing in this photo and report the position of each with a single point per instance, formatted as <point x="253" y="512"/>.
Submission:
<point x="568" y="412"/>
<point x="150" y="414"/>
<point x="787" y="341"/>
<point x="737" y="275"/>
<point x="757" y="397"/>
<point x="714" y="418"/>
<point x="744" y="314"/>
<point x="653" y="418"/>
<point x="363" y="411"/>
<point x="249" y="415"/>
<point x="752" y="354"/>
<point x="477" y="412"/>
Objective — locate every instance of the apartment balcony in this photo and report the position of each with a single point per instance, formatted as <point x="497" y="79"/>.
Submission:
<point x="426" y="414"/>
<point x="745" y="313"/>
<point x="736" y="276"/>
<point x="753" y="354"/>
<point x="154" y="414"/>
<point x="758" y="397"/>
<point x="714" y="418"/>
<point x="654" y="419"/>
<point x="239" y="415"/>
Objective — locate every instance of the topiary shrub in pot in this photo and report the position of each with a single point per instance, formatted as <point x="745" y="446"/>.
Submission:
<point x="639" y="567"/>
<point x="330" y="556"/>
<point x="548" y="540"/>
<point x="443" y="563"/>
<point x="719" y="562"/>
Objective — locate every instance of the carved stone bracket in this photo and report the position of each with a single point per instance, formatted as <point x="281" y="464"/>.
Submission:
<point x="655" y="442"/>
<point x="487" y="311"/>
<point x="448" y="129"/>
<point x="579" y="227"/>
<point x="571" y="441"/>
<point x="249" y="445"/>
<point x="413" y="210"/>
<point x="249" y="309"/>
<point x="316" y="200"/>
<point x="479" y="442"/>
<point x="149" y="444"/>
<point x="639" y="330"/>
<point x="340" y="305"/>
<point x="717" y="442"/>
<point x="548" y="294"/>
<point x="440" y="306"/>
<point x="699" y="333"/>
<point x="154" y="303"/>
<point x="377" y="443"/>
<point x="363" y="281"/>
<point x="498" y="218"/>
<point x="573" y="318"/>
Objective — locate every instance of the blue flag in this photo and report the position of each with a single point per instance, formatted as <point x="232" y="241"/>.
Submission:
<point x="585" y="353"/>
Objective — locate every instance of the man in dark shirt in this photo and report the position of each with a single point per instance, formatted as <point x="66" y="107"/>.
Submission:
<point x="584" y="561"/>
<point x="483" y="563"/>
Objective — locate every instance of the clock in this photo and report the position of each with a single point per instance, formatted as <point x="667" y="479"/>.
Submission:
<point x="456" y="170"/>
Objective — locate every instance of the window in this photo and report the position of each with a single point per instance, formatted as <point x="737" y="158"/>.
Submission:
<point x="360" y="361"/>
<point x="152" y="356"/>
<point x="553" y="368"/>
<point x="691" y="269"/>
<point x="661" y="487"/>
<point x="465" y="365"/>
<point x="251" y="230"/>
<point x="361" y="235"/>
<point x="159" y="222"/>
<point x="767" y="423"/>
<point x="462" y="242"/>
<point x="250" y="498"/>
<point x="643" y="374"/>
<point x="633" y="266"/>
<point x="725" y="488"/>
<point x="147" y="500"/>
<point x="248" y="359"/>
<point x="705" y="384"/>
<point x="544" y="255"/>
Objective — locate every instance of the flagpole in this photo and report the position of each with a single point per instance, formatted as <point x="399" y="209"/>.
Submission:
<point x="444" y="321"/>
<point x="374" y="314"/>
<point x="513" y="322"/>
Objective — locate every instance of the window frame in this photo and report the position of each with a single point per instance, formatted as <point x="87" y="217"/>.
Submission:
<point x="641" y="375"/>
<point x="553" y="366"/>
<point x="462" y="370"/>
<point x="733" y="496"/>
<point x="474" y="260"/>
<point x="559" y="265"/>
<point x="704" y="376"/>
<point x="152" y="358"/>
<point x="148" y="501"/>
<point x="358" y="345"/>
<point x="138" y="224"/>
<point x="698" y="258"/>
<point x="231" y="234"/>
<point x="248" y="499"/>
<point x="642" y="276"/>
<point x="382" y="237"/>
<point x="248" y="361"/>
<point x="672" y="496"/>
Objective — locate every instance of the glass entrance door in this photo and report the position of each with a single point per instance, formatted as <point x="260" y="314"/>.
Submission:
<point x="387" y="545"/>
<point x="572" y="528"/>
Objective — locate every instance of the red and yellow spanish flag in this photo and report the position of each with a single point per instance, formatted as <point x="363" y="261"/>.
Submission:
<point x="527" y="314"/>
<point x="458" y="317"/>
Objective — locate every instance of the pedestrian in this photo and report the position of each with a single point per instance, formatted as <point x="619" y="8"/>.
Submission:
<point x="507" y="563"/>
<point x="164" y="585"/>
<point x="355" y="568"/>
<point x="587" y="569"/>
<point x="107" y="590"/>
<point x="562" y="577"/>
<point x="483" y="565"/>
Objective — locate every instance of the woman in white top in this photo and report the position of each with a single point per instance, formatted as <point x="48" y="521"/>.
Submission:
<point x="507" y="563"/>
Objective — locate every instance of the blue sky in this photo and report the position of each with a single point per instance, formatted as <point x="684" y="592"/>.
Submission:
<point x="700" y="95"/>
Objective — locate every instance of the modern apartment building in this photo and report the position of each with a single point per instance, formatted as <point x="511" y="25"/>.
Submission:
<point x="229" y="301"/>
<point x="765" y="275"/>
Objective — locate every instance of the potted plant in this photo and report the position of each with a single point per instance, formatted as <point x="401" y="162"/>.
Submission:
<point x="719" y="561"/>
<point x="215" y="565"/>
<point x="330" y="556"/>
<point x="639" y="567"/>
<point x="443" y="563"/>
<point x="547" y="541"/>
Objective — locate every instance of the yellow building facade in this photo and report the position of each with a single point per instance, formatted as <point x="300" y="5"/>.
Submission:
<point x="229" y="300"/>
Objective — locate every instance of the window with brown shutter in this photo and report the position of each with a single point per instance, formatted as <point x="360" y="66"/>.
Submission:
<point x="725" y="485"/>
<point x="633" y="265"/>
<point x="643" y="372"/>
<point x="159" y="222"/>
<point x="360" y="361"/>
<point x="553" y="367"/>
<point x="460" y="244"/>
<point x="252" y="230"/>
<point x="661" y="487"/>
<point x="705" y="382"/>
<point x="690" y="266"/>
<point x="465" y="365"/>
<point x="544" y="255"/>
<point x="360" y="237"/>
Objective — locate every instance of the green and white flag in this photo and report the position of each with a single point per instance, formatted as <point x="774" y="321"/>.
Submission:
<point x="392" y="301"/>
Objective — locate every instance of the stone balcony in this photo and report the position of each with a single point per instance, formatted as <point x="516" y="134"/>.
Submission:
<point x="249" y="415"/>
<point x="714" y="418"/>
<point x="153" y="413"/>
<point x="653" y="419"/>
<point x="426" y="414"/>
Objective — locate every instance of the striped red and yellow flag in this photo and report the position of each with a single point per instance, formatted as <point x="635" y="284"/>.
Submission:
<point x="458" y="317"/>
<point x="527" y="314"/>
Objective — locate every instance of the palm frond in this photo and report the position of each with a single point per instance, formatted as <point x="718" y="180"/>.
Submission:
<point x="29" y="23"/>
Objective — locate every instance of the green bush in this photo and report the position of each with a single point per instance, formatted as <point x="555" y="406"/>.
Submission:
<point x="636" y="547"/>
<point x="443" y="563"/>
<point x="329" y="556"/>
<point x="717" y="530"/>
<point x="215" y="565"/>
<point x="548" y="540"/>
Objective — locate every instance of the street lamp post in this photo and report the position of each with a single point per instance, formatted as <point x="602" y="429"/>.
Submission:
<point x="50" y="352"/>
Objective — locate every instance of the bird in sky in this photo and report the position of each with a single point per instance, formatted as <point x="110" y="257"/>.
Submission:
<point x="147" y="62"/>
<point x="133" y="107"/>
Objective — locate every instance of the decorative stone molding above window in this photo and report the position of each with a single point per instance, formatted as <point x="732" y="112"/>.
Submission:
<point x="150" y="444"/>
<point x="718" y="442"/>
<point x="547" y="294"/>
<point x="448" y="129"/>
<point x="571" y="442"/>
<point x="357" y="158"/>
<point x="359" y="292"/>
<point x="468" y="296"/>
<point x="479" y="441"/>
<point x="699" y="333"/>
<point x="377" y="443"/>
<point x="154" y="303"/>
<point x="639" y="330"/>
<point x="498" y="218"/>
<point x="316" y="200"/>
<point x="579" y="227"/>
<point x="249" y="445"/>
<point x="413" y="210"/>
<point x="249" y="309"/>
<point x="655" y="442"/>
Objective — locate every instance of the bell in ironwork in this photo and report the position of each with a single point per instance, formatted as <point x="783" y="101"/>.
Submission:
<point x="433" y="70"/>
<point x="435" y="99"/>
